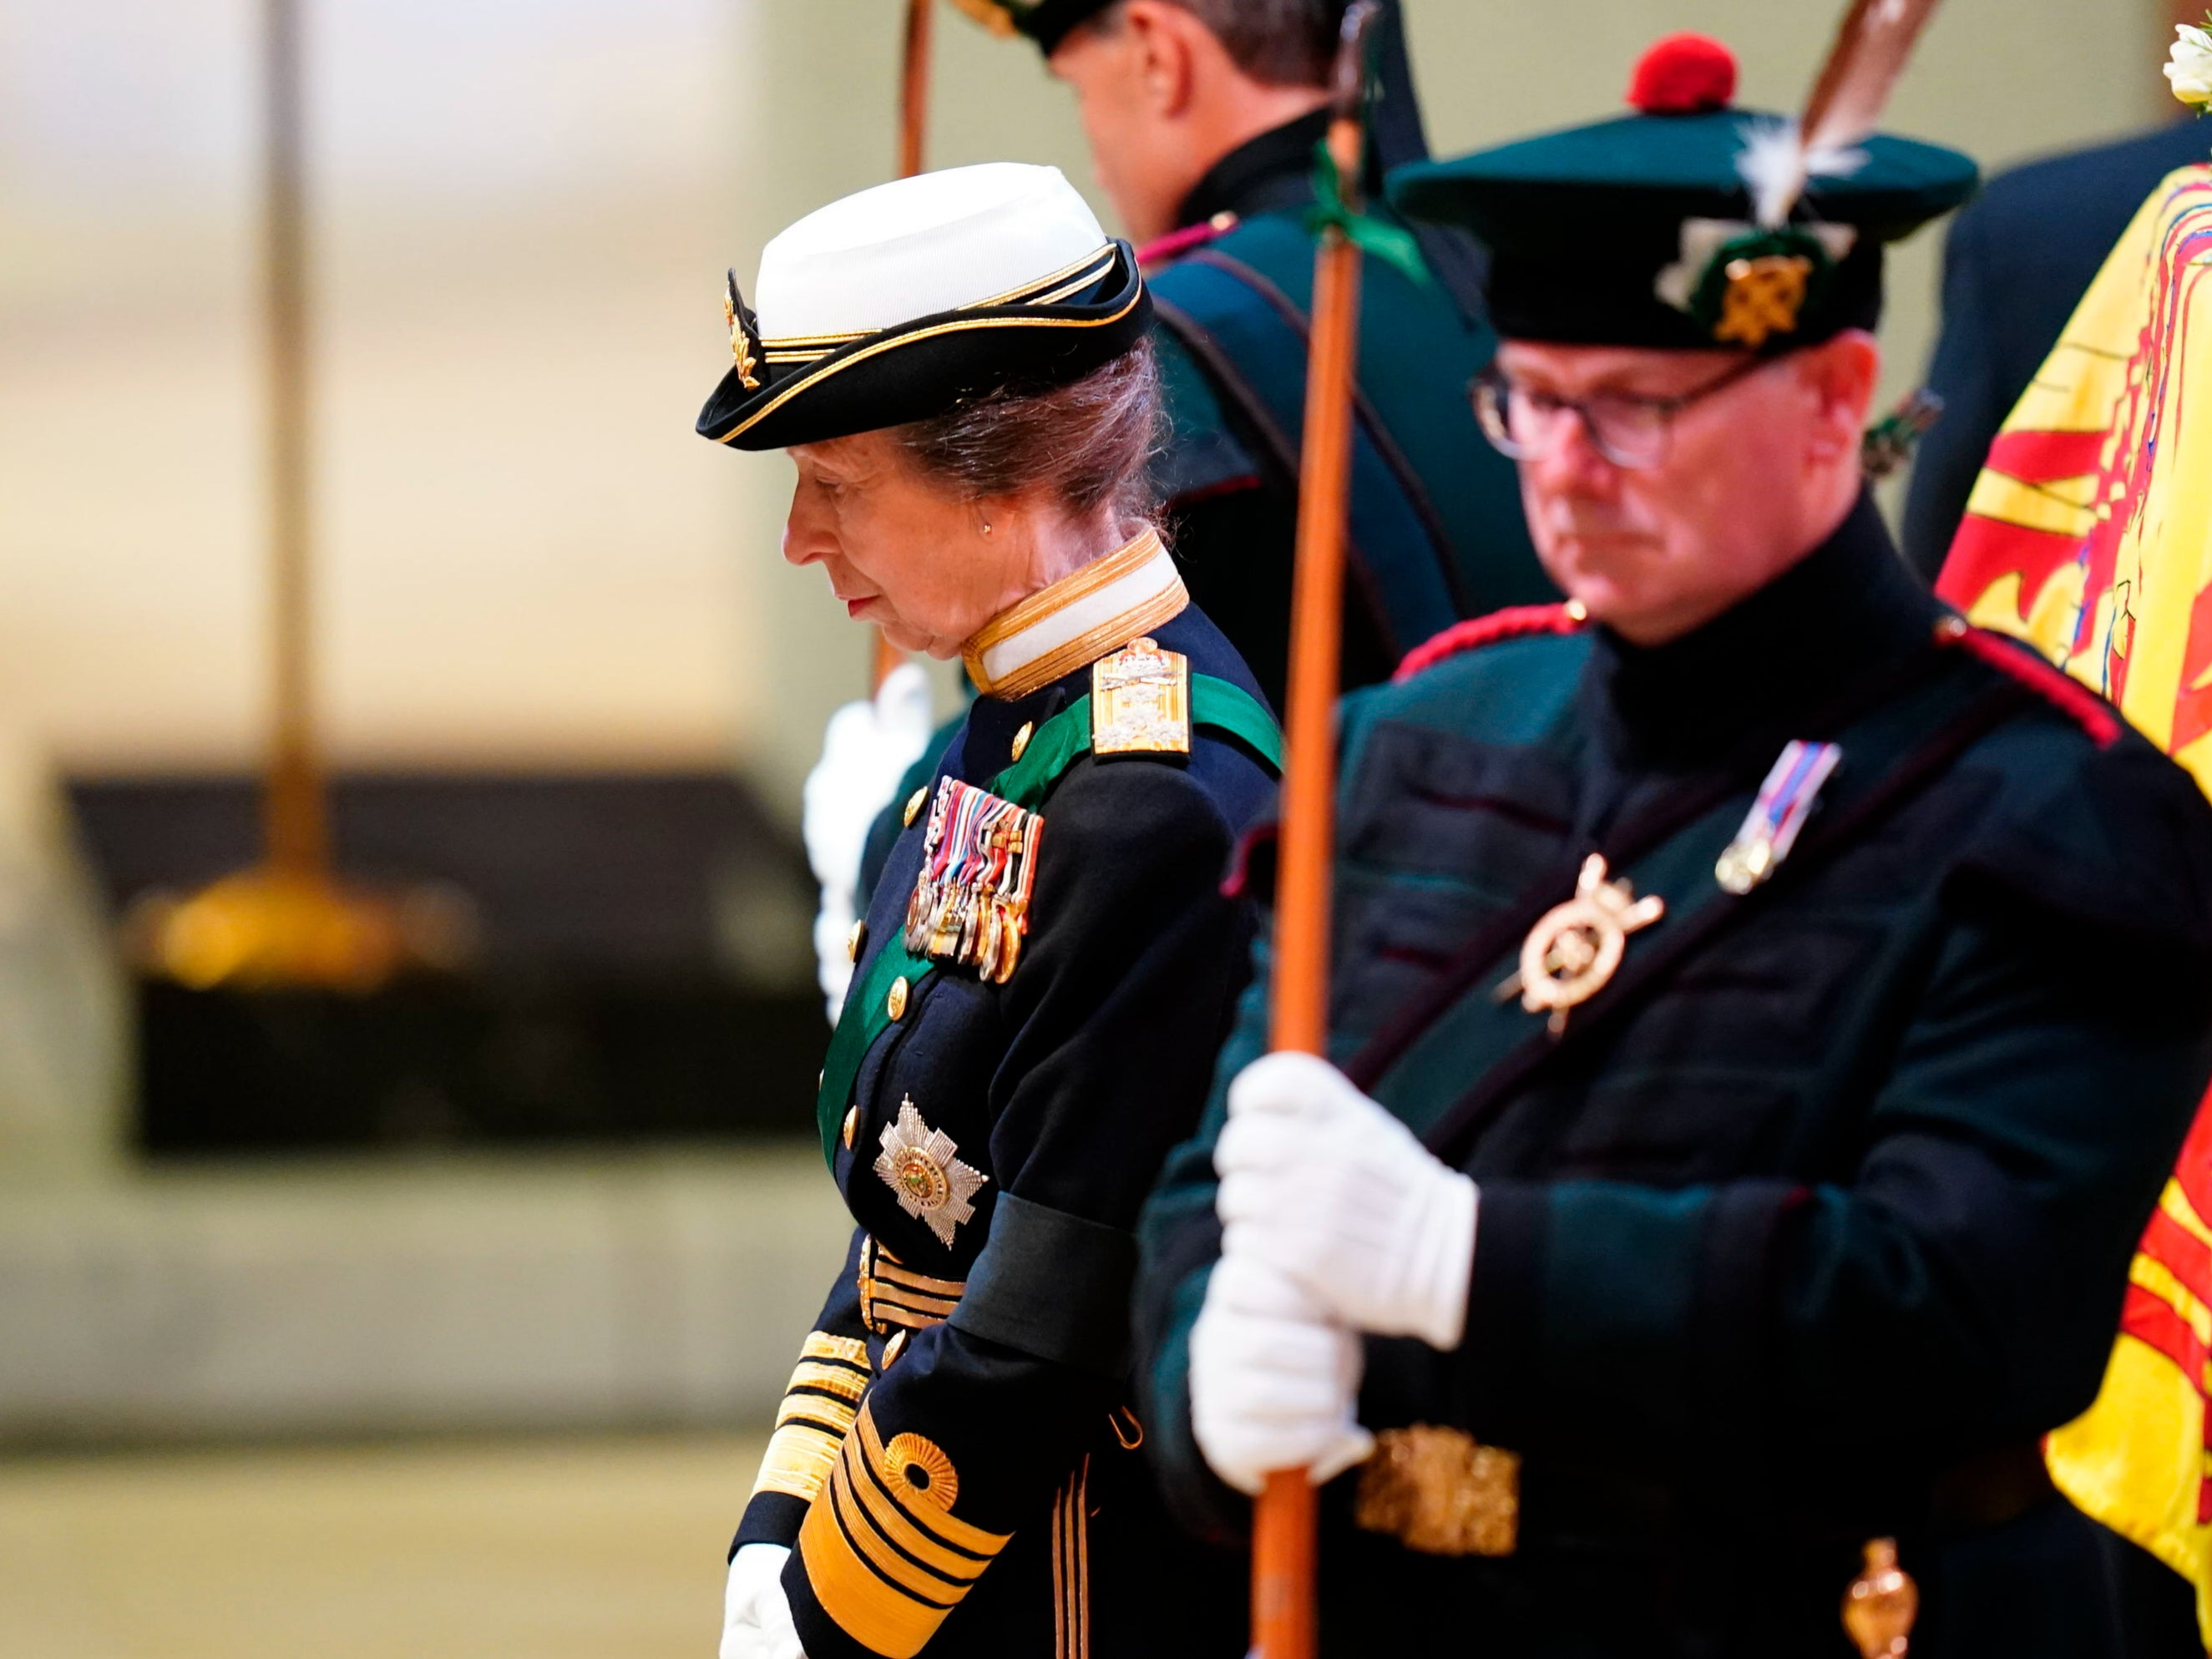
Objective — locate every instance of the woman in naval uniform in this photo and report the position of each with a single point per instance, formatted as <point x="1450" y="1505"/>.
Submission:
<point x="958" y="364"/>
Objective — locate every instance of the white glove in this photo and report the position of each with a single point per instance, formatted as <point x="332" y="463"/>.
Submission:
<point x="755" y="1614"/>
<point x="1321" y="1184"/>
<point x="1274" y="1384"/>
<point x="865" y="749"/>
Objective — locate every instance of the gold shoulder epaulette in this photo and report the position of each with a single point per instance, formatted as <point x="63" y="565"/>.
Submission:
<point x="1140" y="701"/>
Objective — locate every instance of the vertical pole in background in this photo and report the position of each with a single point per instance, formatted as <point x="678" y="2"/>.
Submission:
<point x="294" y="826"/>
<point x="914" y="125"/>
<point x="1283" y="1523"/>
<point x="286" y="922"/>
<point x="913" y="87"/>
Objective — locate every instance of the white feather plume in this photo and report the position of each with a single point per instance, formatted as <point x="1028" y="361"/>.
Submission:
<point x="1780" y="158"/>
<point x="1777" y="166"/>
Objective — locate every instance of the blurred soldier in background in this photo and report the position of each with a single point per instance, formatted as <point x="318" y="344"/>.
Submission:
<point x="2015" y="265"/>
<point x="1203" y="117"/>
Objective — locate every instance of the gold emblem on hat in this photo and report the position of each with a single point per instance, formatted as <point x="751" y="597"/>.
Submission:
<point x="1140" y="701"/>
<point x="931" y="1184"/>
<point x="1762" y="298"/>
<point x="1575" y="948"/>
<point x="1441" y="1491"/>
<point x="744" y="338"/>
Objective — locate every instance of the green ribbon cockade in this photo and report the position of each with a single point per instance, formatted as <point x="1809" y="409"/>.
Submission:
<point x="1392" y="244"/>
<point x="1215" y="705"/>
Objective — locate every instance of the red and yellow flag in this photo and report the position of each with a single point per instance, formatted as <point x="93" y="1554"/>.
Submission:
<point x="2089" y="534"/>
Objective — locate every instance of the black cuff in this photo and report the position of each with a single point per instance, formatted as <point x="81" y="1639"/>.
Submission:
<point x="1496" y="1357"/>
<point x="1052" y="1285"/>
<point x="771" y="1517"/>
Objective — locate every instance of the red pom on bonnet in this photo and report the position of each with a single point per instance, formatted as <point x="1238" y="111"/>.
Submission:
<point x="1683" y="75"/>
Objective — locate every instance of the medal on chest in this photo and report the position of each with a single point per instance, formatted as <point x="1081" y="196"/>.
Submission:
<point x="971" y="903"/>
<point x="1770" y="829"/>
<point x="1575" y="948"/>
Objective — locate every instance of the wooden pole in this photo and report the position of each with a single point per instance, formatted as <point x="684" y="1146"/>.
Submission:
<point x="294" y="825"/>
<point x="1283" y="1523"/>
<point x="914" y="87"/>
<point x="914" y="126"/>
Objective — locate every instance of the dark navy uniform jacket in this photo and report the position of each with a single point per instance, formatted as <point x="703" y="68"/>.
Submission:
<point x="1436" y="532"/>
<point x="953" y="1459"/>
<point x="1819" y="1214"/>
<point x="2016" y="262"/>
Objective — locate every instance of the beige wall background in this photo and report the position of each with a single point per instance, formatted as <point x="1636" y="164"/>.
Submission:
<point x="523" y="207"/>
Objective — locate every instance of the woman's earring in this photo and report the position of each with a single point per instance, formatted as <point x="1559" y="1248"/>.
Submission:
<point x="986" y="526"/>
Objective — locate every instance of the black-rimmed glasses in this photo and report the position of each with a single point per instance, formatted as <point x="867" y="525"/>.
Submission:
<point x="1628" y="429"/>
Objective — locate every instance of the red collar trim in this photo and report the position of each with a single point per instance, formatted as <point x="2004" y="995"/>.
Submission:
<point x="1513" y="622"/>
<point x="1176" y="243"/>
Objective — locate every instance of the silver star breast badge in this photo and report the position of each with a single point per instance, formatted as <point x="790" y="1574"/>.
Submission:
<point x="917" y="1163"/>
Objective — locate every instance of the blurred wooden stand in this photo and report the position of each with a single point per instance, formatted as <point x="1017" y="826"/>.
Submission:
<point x="287" y="921"/>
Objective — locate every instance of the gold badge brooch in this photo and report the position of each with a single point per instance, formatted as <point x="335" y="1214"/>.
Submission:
<point x="932" y="1185"/>
<point x="1575" y="948"/>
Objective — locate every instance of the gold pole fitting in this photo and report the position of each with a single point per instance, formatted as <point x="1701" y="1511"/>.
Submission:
<point x="1881" y="1604"/>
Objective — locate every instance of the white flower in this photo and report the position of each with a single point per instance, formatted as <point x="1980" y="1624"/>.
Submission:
<point x="2189" y="66"/>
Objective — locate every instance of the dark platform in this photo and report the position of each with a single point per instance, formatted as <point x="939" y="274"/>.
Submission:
<point x="645" y="968"/>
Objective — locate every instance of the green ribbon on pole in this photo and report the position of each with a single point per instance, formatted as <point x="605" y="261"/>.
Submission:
<point x="1393" y="244"/>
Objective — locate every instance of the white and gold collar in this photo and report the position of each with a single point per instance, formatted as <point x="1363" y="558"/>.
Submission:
<point x="1077" y="620"/>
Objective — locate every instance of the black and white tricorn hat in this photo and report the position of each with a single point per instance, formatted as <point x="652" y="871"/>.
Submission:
<point x="893" y="304"/>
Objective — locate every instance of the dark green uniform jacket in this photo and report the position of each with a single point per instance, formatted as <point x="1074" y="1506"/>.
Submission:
<point x="1819" y="1213"/>
<point x="952" y="1459"/>
<point x="1436" y="528"/>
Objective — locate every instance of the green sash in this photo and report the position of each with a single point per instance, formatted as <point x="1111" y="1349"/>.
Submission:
<point x="1215" y="705"/>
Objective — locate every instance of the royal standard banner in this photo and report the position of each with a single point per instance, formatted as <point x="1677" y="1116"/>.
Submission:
<point x="2089" y="534"/>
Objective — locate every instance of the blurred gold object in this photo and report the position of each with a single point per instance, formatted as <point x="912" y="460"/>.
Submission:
<point x="1880" y="1604"/>
<point x="994" y="17"/>
<point x="272" y="928"/>
<point x="1441" y="1491"/>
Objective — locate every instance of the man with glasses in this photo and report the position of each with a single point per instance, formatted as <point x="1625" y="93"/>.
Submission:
<point x="1763" y="1013"/>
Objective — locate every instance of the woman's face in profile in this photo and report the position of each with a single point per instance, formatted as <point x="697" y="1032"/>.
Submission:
<point x="900" y="552"/>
